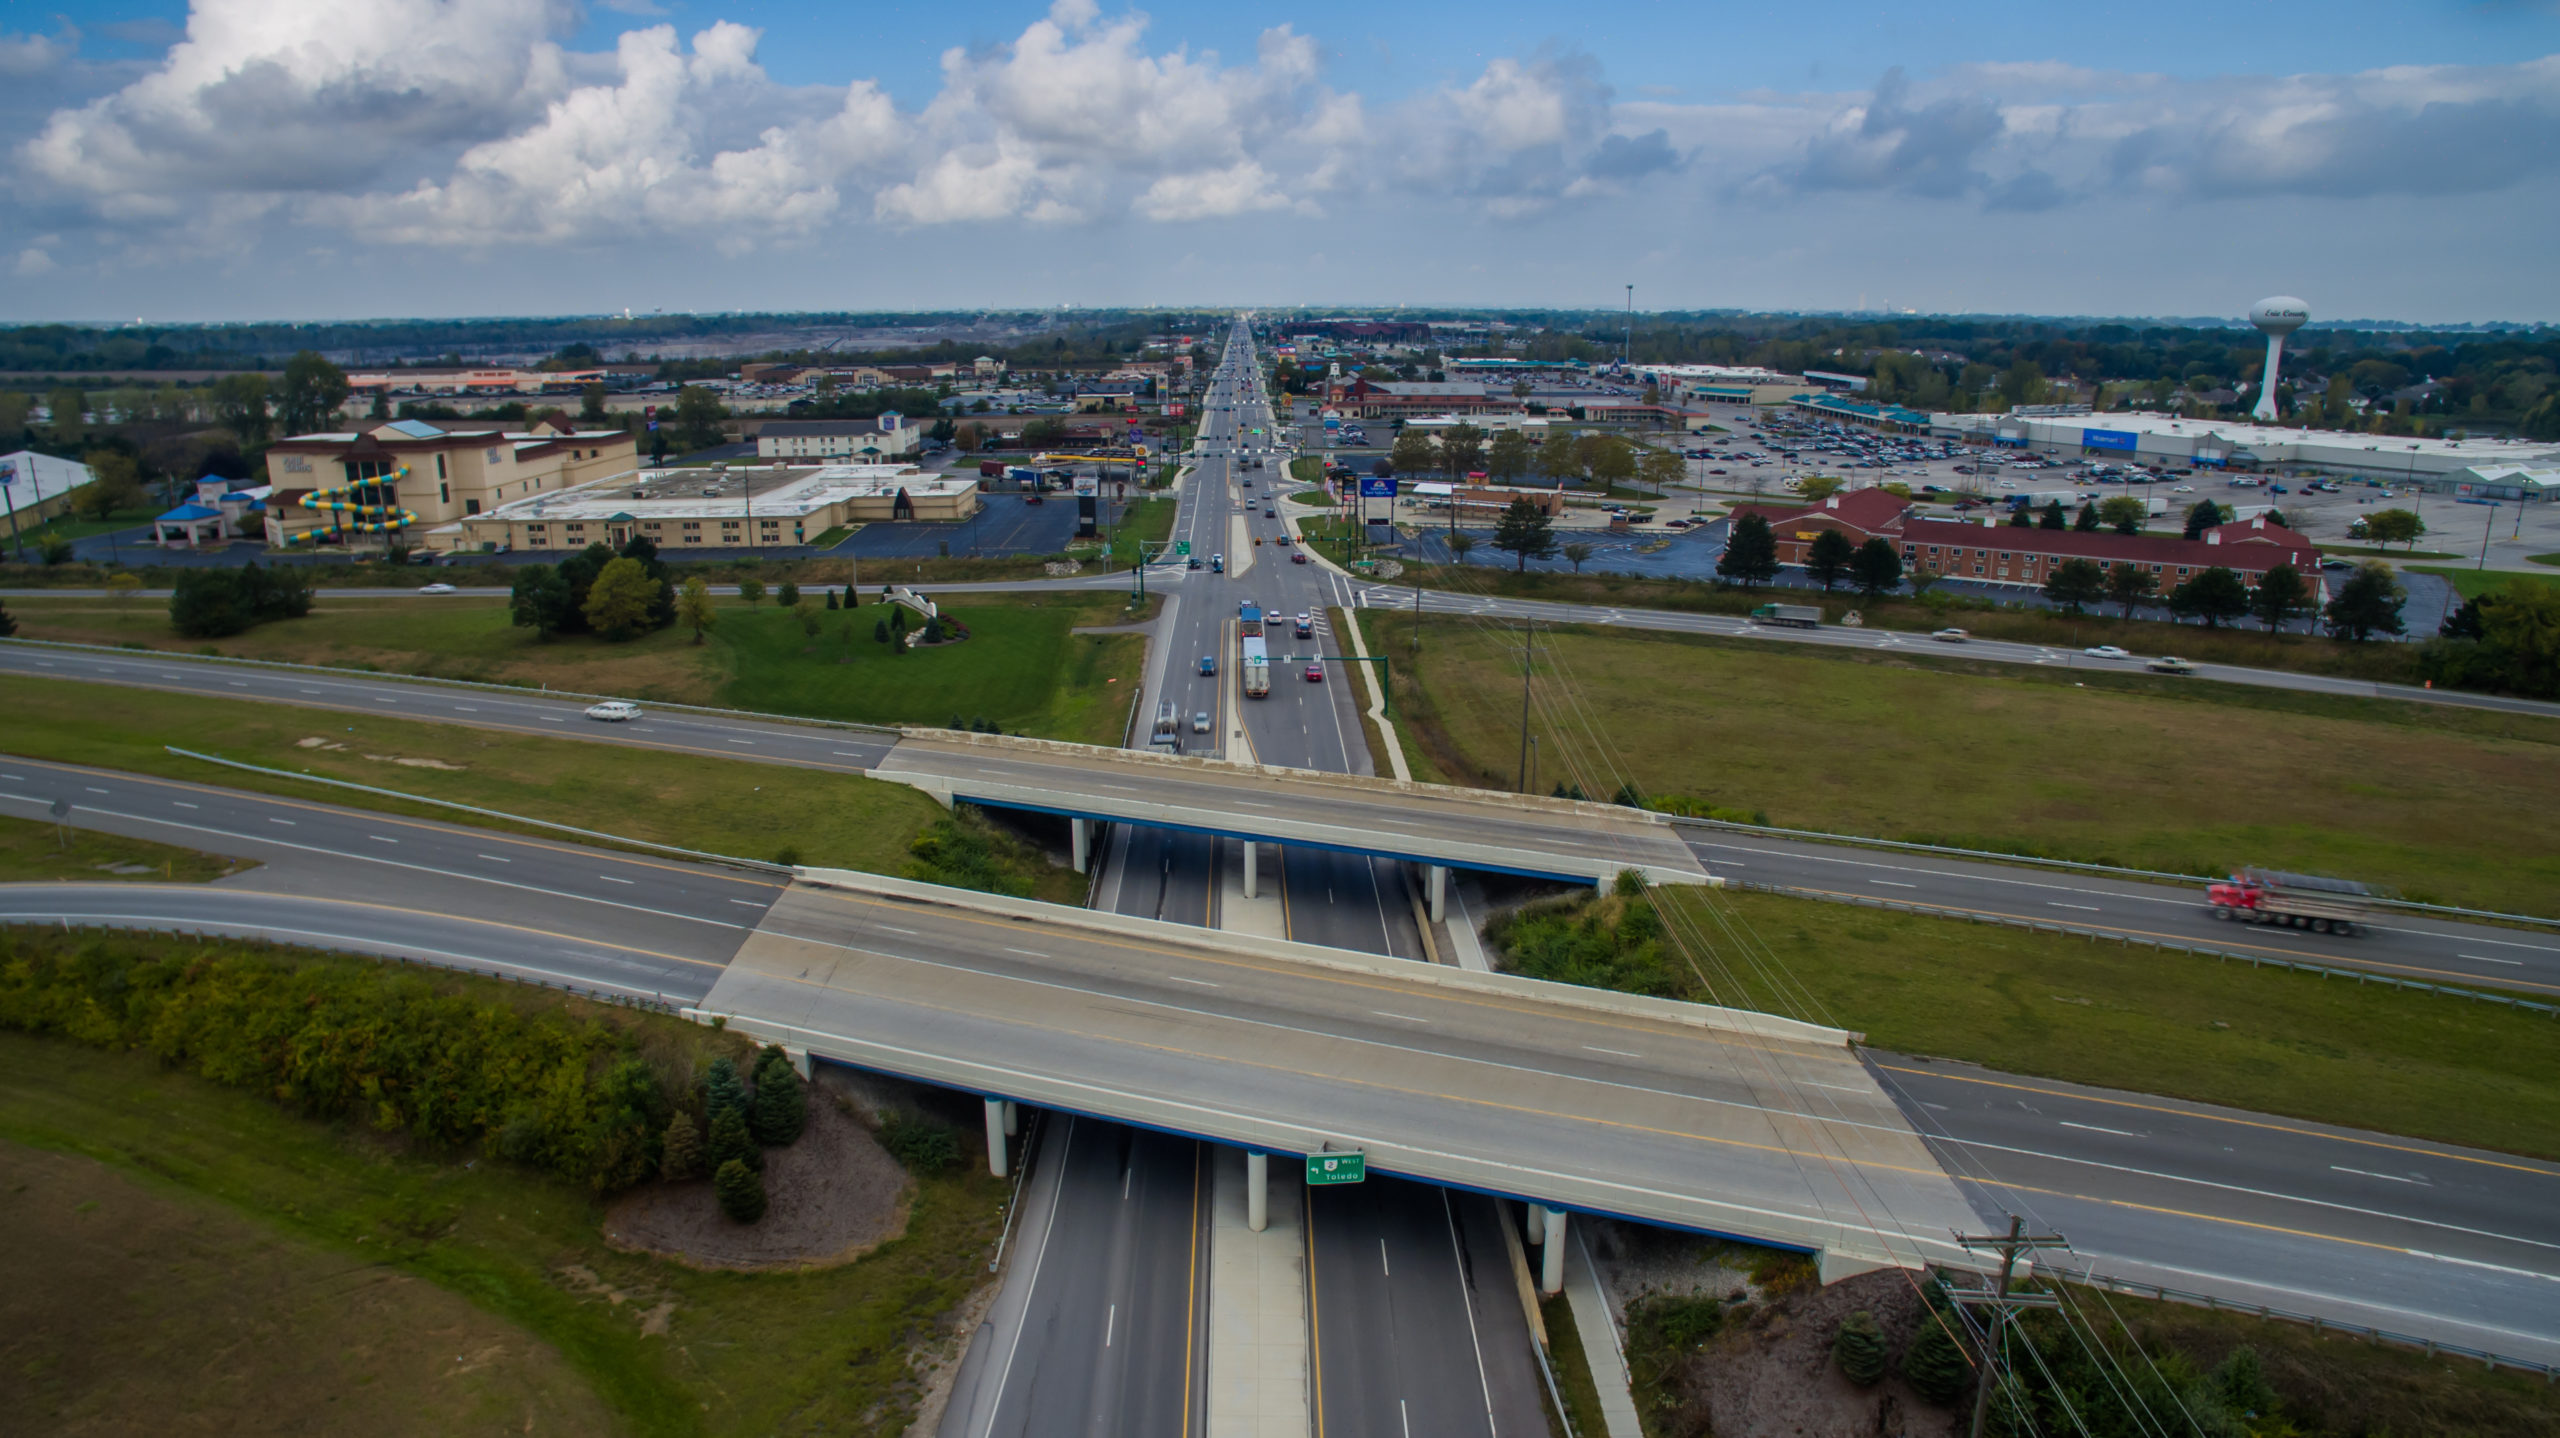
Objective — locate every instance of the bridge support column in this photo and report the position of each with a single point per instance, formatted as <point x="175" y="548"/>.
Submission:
<point x="1257" y="1188"/>
<point x="1551" y="1262"/>
<point x="799" y="1061"/>
<point x="1439" y="874"/>
<point x="996" y="1156"/>
<point x="1082" y="831"/>
<point x="1252" y="876"/>
<point x="1537" y="1224"/>
<point x="1012" y="1118"/>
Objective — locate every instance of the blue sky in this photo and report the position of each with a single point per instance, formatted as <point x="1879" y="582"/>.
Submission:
<point x="240" y="158"/>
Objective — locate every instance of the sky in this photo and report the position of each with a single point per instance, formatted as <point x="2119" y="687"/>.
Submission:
<point x="285" y="159"/>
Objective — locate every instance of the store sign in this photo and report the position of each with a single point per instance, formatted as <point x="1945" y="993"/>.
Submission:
<point x="1377" y="489"/>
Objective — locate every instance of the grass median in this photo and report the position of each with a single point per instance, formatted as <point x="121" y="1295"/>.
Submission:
<point x="1024" y="668"/>
<point x="2446" y="804"/>
<point x="2048" y="1006"/>
<point x="722" y="806"/>
<point x="39" y="850"/>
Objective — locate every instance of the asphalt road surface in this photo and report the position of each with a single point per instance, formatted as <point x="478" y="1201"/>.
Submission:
<point x="2392" y="1233"/>
<point x="349" y="879"/>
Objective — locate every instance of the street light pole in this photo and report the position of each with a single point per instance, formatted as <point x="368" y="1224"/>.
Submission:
<point x="1528" y="656"/>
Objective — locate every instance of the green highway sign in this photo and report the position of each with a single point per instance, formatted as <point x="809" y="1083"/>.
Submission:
<point x="1182" y="546"/>
<point x="1337" y="1167"/>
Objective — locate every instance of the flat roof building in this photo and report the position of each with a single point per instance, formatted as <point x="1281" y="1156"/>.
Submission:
<point x="734" y="507"/>
<point x="2167" y="439"/>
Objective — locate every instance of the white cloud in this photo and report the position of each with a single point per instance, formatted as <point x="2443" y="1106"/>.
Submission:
<point x="276" y="97"/>
<point x="22" y="56"/>
<point x="33" y="261"/>
<point x="466" y="125"/>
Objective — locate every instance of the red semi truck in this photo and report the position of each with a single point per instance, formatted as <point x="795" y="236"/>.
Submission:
<point x="2300" y="901"/>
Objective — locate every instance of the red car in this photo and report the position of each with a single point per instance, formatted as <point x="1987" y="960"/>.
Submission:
<point x="1315" y="674"/>
<point x="1297" y="556"/>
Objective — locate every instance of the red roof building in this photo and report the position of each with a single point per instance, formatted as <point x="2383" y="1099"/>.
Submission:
<point x="2003" y="554"/>
<point x="1859" y="514"/>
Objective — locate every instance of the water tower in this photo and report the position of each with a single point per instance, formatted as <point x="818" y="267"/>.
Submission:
<point x="2278" y="316"/>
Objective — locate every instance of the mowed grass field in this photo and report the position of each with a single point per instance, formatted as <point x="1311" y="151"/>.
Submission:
<point x="2444" y="804"/>
<point x="2265" y="1040"/>
<point x="461" y="1288"/>
<point x="720" y="805"/>
<point x="137" y="1305"/>
<point x="1023" y="669"/>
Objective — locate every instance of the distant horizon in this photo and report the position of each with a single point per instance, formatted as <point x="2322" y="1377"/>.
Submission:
<point x="2236" y="320"/>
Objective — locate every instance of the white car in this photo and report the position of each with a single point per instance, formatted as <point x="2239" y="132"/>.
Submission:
<point x="2106" y="651"/>
<point x="614" y="711"/>
<point x="1950" y="636"/>
<point x="439" y="588"/>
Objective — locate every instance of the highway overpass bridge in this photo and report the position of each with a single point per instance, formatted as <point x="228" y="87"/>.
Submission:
<point x="1715" y="1120"/>
<point x="1433" y="825"/>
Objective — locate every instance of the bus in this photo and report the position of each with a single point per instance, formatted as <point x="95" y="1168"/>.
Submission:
<point x="1257" y="669"/>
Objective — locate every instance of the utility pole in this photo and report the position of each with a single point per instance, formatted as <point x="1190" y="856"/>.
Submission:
<point x="2001" y="1301"/>
<point x="1626" y="356"/>
<point x="1528" y="653"/>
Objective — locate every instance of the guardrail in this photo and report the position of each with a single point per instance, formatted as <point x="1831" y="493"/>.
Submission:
<point x="2124" y="940"/>
<point x="2433" y="1348"/>
<point x="517" y="690"/>
<point x="759" y="865"/>
<point x="2083" y="866"/>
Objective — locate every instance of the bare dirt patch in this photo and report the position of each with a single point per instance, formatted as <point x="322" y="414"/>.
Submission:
<point x="131" y="1310"/>
<point x="1768" y="1372"/>
<point x="836" y="1195"/>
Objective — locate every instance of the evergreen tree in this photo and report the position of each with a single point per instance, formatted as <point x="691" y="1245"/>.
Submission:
<point x="2020" y="519"/>
<point x="786" y="594"/>
<point x="680" y="1157"/>
<point x="723" y="1089"/>
<point x="2087" y="523"/>
<point x="2279" y="597"/>
<point x="831" y="599"/>
<point x="2204" y="514"/>
<point x="2053" y="518"/>
<point x="1859" y="1348"/>
<point x="1827" y="558"/>
<point x="8" y="626"/>
<point x="781" y="1104"/>
<point x="2367" y="604"/>
<point x="1750" y="552"/>
<point x="2214" y="596"/>
<point x="2129" y="585"/>
<point x="1525" y="530"/>
<point x="1877" y="566"/>
<point x="1935" y="1364"/>
<point x="730" y="1140"/>
<point x="741" y="1192"/>
<point x="2075" y="584"/>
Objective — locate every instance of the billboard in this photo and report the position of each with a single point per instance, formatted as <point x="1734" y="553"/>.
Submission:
<point x="2123" y="439"/>
<point x="1174" y="410"/>
<point x="1377" y="489"/>
<point x="1088" y="485"/>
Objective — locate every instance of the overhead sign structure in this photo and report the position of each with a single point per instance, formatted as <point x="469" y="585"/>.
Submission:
<point x="1374" y="488"/>
<point x="1323" y="1168"/>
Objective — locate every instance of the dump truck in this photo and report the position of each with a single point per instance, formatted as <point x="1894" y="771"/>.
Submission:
<point x="1797" y="616"/>
<point x="2297" y="901"/>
